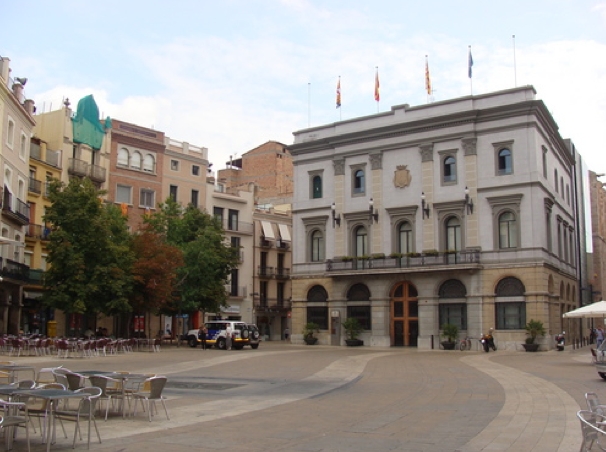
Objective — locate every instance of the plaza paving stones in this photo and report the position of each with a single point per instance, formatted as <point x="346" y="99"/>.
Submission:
<point x="284" y="397"/>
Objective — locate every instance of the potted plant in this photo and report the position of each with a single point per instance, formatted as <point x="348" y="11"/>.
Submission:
<point x="450" y="332"/>
<point x="534" y="328"/>
<point x="308" y="333"/>
<point x="352" y="330"/>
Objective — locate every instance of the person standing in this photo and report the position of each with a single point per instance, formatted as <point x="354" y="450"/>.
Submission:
<point x="599" y="336"/>
<point x="202" y="336"/>
<point x="228" y="338"/>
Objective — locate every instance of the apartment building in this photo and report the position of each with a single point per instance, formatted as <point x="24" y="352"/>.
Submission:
<point x="16" y="116"/>
<point x="44" y="165"/>
<point x="459" y="212"/>
<point x="184" y="173"/>
<point x="235" y="212"/>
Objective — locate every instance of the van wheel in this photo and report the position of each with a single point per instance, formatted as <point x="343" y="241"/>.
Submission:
<point x="245" y="334"/>
<point x="602" y="374"/>
<point x="192" y="342"/>
<point x="221" y="343"/>
<point x="254" y="346"/>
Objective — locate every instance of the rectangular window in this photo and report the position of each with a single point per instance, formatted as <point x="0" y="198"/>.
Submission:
<point x="146" y="198"/>
<point x="234" y="283"/>
<point x="194" y="198"/>
<point x="455" y="314"/>
<point x="10" y="135"/>
<point x="195" y="170"/>
<point x="173" y="192"/>
<point x="174" y="165"/>
<point x="280" y="294"/>
<point x="232" y="220"/>
<point x="263" y="293"/>
<point x="123" y="194"/>
<point x="511" y="316"/>
<point x="319" y="315"/>
<point x="218" y="214"/>
<point x="362" y="313"/>
<point x="23" y="146"/>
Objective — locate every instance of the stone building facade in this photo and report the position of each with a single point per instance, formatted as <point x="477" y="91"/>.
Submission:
<point x="460" y="212"/>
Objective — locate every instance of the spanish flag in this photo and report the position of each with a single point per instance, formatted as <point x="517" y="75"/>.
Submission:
<point x="339" y="93"/>
<point x="427" y="79"/>
<point x="377" y="93"/>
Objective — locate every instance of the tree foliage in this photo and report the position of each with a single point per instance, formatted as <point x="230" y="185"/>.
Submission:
<point x="89" y="252"/>
<point x="208" y="262"/>
<point x="154" y="272"/>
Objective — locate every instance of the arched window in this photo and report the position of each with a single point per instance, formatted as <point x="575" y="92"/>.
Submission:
<point x="135" y="161"/>
<point x="508" y="234"/>
<point x="510" y="304"/>
<point x="361" y="242"/>
<point x="505" y="162"/>
<point x="358" y="181"/>
<point x="405" y="238"/>
<point x="450" y="169"/>
<point x="317" y="187"/>
<point x="149" y="163"/>
<point x="123" y="157"/>
<point x="453" y="234"/>
<point x="317" y="246"/>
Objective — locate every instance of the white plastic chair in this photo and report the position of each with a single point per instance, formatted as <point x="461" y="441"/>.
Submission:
<point x="156" y="386"/>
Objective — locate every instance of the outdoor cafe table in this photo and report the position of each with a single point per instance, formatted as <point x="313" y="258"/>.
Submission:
<point x="13" y="369"/>
<point x="52" y="396"/>
<point x="123" y="378"/>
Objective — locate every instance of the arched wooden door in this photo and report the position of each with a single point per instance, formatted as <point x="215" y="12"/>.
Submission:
<point x="404" y="313"/>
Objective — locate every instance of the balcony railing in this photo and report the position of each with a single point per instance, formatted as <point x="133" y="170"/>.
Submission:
<point x="13" y="270"/>
<point x="15" y="208"/>
<point x="265" y="243"/>
<point x="36" y="277"/>
<point x="265" y="272"/>
<point x="239" y="291"/>
<point x="78" y="167"/>
<point x="265" y="304"/>
<point x="282" y="244"/>
<point x="37" y="231"/>
<point x="97" y="173"/>
<point x="409" y="261"/>
<point x="35" y="186"/>
<point x="282" y="273"/>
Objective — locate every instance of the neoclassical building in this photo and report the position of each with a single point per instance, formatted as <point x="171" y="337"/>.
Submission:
<point x="461" y="212"/>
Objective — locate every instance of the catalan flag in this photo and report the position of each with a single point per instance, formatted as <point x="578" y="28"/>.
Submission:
<point x="339" y="93"/>
<point x="427" y="79"/>
<point x="377" y="93"/>
<point x="469" y="63"/>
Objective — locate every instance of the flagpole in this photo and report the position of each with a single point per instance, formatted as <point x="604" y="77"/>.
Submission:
<point x="377" y="89"/>
<point x="470" y="64"/>
<point x="515" y="71"/>
<point x="340" y="107"/>
<point x="308" y="104"/>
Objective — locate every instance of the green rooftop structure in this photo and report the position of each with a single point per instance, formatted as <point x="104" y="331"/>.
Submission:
<point x="86" y="125"/>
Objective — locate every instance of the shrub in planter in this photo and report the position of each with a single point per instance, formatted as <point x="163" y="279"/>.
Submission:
<point x="308" y="333"/>
<point x="352" y="330"/>
<point x="450" y="332"/>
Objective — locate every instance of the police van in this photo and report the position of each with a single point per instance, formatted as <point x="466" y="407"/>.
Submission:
<point x="216" y="334"/>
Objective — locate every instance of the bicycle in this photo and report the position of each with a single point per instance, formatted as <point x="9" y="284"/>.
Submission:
<point x="465" y="344"/>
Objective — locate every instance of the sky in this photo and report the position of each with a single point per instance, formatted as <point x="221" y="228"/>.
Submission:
<point x="230" y="75"/>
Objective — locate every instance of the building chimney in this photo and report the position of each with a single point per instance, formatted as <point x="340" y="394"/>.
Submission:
<point x="29" y="106"/>
<point x="18" y="91"/>
<point x="4" y="68"/>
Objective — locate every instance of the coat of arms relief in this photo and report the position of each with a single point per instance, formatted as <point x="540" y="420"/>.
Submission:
<point x="402" y="176"/>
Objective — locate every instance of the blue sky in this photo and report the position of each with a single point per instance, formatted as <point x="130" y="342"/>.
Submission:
<point x="232" y="74"/>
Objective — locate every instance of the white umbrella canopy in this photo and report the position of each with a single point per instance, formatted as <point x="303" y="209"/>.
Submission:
<point x="593" y="310"/>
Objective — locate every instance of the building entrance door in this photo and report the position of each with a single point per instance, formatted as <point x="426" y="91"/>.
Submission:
<point x="404" y="328"/>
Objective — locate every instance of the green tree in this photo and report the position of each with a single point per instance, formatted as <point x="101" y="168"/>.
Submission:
<point x="208" y="260"/>
<point x="154" y="273"/>
<point x="89" y="252"/>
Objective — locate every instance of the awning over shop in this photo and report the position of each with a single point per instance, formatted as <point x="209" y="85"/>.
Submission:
<point x="268" y="230"/>
<point x="284" y="232"/>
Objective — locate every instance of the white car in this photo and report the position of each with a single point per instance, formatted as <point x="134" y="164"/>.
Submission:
<point x="216" y="334"/>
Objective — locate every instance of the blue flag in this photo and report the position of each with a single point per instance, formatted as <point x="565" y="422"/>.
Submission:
<point x="469" y="64"/>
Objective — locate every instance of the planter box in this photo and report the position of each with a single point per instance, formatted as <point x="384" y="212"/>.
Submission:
<point x="531" y="347"/>
<point x="448" y="345"/>
<point x="310" y="340"/>
<point x="354" y="342"/>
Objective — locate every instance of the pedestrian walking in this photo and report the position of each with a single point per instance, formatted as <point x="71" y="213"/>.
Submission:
<point x="228" y="339"/>
<point x="286" y="333"/>
<point x="202" y="336"/>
